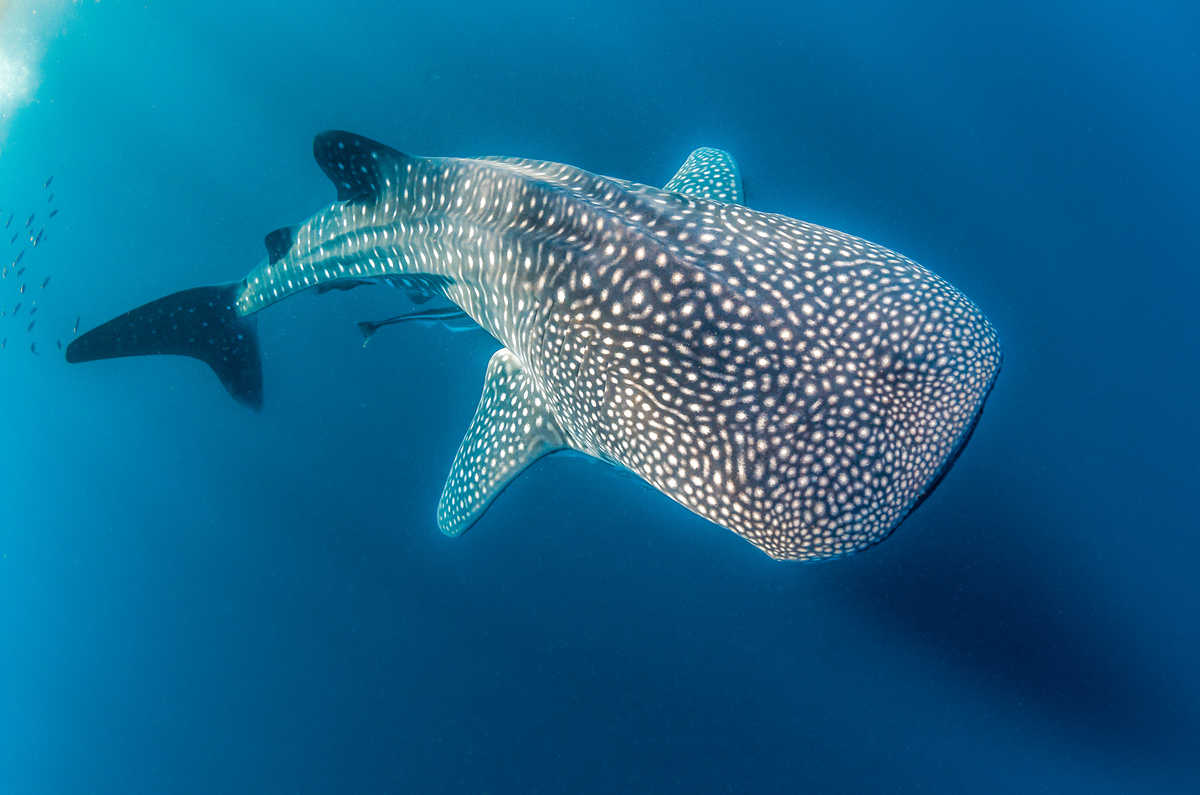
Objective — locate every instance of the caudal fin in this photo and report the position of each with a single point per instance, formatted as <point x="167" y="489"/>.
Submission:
<point x="202" y="323"/>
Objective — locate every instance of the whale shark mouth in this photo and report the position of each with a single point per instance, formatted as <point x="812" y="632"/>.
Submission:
<point x="936" y="478"/>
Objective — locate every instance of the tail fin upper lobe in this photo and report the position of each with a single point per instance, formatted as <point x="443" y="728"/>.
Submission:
<point x="202" y="323"/>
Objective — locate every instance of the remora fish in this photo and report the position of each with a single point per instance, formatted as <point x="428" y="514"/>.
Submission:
<point x="453" y="319"/>
<point x="797" y="385"/>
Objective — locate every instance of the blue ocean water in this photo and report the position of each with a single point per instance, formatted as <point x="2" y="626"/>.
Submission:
<point x="198" y="598"/>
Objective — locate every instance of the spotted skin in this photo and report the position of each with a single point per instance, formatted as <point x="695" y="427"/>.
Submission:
<point x="511" y="430"/>
<point x="799" y="386"/>
<point x="709" y="174"/>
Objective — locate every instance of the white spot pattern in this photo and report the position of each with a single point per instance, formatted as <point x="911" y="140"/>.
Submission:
<point x="708" y="173"/>
<point x="797" y="385"/>
<point x="511" y="429"/>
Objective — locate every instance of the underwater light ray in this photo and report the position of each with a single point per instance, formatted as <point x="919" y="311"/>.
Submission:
<point x="24" y="31"/>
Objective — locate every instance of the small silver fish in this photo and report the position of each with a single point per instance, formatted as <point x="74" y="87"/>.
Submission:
<point x="75" y="328"/>
<point x="38" y="239"/>
<point x="45" y="282"/>
<point x="30" y="326"/>
<point x="29" y="220"/>
<point x="33" y="348"/>
<point x="46" y="184"/>
<point x="53" y="213"/>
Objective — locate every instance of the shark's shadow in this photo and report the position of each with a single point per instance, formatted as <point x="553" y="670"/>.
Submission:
<point x="1037" y="631"/>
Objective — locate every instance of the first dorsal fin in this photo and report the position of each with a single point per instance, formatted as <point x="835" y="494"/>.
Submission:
<point x="708" y="173"/>
<point x="279" y="243"/>
<point x="353" y="162"/>
<point x="511" y="429"/>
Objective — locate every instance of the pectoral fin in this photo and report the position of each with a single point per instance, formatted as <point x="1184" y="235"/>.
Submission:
<point x="511" y="429"/>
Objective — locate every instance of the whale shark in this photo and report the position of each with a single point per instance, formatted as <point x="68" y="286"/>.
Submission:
<point x="801" y="387"/>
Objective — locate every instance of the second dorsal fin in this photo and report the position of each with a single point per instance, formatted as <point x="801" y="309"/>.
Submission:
<point x="279" y="243"/>
<point x="353" y="162"/>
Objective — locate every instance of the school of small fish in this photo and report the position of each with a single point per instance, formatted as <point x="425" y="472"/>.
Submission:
<point x="26" y="291"/>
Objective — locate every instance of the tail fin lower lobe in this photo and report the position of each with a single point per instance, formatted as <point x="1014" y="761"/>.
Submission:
<point x="202" y="323"/>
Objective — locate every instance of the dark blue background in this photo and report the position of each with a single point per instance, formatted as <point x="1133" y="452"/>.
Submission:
<point x="195" y="598"/>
